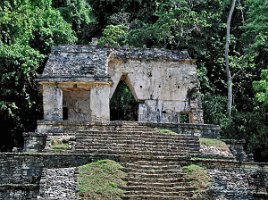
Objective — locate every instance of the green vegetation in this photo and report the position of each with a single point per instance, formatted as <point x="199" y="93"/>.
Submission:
<point x="101" y="180"/>
<point x="262" y="87"/>
<point x="199" y="178"/>
<point x="59" y="145"/>
<point x="167" y="131"/>
<point x="213" y="142"/>
<point x="123" y="105"/>
<point x="29" y="28"/>
<point x="184" y="118"/>
<point x="114" y="36"/>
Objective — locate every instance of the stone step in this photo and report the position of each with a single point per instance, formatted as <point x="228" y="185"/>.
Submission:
<point x="129" y="128"/>
<point x="164" y="182"/>
<point x="135" y="133"/>
<point x="157" y="162"/>
<point x="160" y="193"/>
<point x="122" y="145"/>
<point x="139" y="141"/>
<point x="154" y="197"/>
<point x="133" y="152"/>
<point x="134" y="137"/>
<point x="158" y="187"/>
<point x="165" y="148"/>
<point x="144" y="174"/>
<point x="136" y="141"/>
<point x="136" y="151"/>
<point x="148" y="166"/>
<point x="152" y="171"/>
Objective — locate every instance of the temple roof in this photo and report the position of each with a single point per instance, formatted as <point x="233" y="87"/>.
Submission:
<point x="87" y="63"/>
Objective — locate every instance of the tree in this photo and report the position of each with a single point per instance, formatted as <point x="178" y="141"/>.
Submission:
<point x="256" y="31"/>
<point x="227" y="68"/>
<point x="28" y="29"/>
<point x="79" y="14"/>
<point x="261" y="87"/>
<point x="114" y="36"/>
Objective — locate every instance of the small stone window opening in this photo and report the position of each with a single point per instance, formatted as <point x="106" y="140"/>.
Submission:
<point x="184" y="117"/>
<point x="140" y="86"/>
<point x="65" y="113"/>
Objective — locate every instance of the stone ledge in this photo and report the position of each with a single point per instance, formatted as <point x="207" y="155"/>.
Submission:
<point x="74" y="78"/>
<point x="219" y="163"/>
<point x="24" y="187"/>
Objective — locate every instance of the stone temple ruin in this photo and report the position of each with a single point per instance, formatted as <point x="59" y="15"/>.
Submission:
<point x="77" y="85"/>
<point x="81" y="80"/>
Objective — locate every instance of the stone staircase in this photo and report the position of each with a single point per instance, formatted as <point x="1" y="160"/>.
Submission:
<point x="156" y="179"/>
<point x="152" y="159"/>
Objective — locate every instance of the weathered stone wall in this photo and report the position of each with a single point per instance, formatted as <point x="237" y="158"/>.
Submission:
<point x="58" y="183"/>
<point x="234" y="180"/>
<point x="78" y="105"/>
<point x="201" y="130"/>
<point x="164" y="87"/>
<point x="20" y="174"/>
<point x="237" y="149"/>
<point x="33" y="141"/>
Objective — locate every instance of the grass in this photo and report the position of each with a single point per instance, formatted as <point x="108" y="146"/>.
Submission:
<point x="63" y="146"/>
<point x="101" y="180"/>
<point x="199" y="178"/>
<point x="213" y="142"/>
<point x="59" y="145"/>
<point x="167" y="131"/>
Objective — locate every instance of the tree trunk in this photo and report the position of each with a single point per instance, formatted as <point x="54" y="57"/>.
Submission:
<point x="227" y="68"/>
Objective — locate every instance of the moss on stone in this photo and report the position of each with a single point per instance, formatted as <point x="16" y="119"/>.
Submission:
<point x="167" y="131"/>
<point x="59" y="145"/>
<point x="214" y="142"/>
<point x="101" y="180"/>
<point x="199" y="178"/>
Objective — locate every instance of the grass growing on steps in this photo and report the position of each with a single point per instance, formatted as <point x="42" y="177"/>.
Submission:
<point x="59" y="145"/>
<point x="101" y="180"/>
<point x="213" y="142"/>
<point x="199" y="178"/>
<point x="167" y="131"/>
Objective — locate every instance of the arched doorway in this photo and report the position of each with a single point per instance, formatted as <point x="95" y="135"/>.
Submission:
<point x="123" y="105"/>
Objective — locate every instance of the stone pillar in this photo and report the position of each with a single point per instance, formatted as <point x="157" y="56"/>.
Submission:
<point x="196" y="111"/>
<point x="100" y="103"/>
<point x="52" y="102"/>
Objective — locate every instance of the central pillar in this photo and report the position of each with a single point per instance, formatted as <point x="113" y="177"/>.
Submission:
<point x="99" y="103"/>
<point x="52" y="102"/>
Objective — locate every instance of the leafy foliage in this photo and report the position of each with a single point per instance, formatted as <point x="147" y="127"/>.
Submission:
<point x="262" y="87"/>
<point x="79" y="14"/>
<point x="251" y="126"/>
<point x="18" y="99"/>
<point x="215" y="109"/>
<point x="256" y="26"/>
<point x="123" y="105"/>
<point x="28" y="29"/>
<point x="114" y="36"/>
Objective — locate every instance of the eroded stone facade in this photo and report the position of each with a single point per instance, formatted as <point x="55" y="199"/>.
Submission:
<point x="81" y="81"/>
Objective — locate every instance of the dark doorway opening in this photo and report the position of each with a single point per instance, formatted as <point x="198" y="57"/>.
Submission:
<point x="123" y="105"/>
